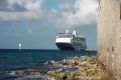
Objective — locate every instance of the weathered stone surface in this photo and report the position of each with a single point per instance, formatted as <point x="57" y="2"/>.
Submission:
<point x="88" y="68"/>
<point x="109" y="35"/>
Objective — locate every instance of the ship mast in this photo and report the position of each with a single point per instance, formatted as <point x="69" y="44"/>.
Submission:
<point x="74" y="33"/>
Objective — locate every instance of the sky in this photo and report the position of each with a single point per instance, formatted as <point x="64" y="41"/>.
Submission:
<point x="35" y="23"/>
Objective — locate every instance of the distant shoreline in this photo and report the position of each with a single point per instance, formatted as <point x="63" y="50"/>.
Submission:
<point x="51" y="49"/>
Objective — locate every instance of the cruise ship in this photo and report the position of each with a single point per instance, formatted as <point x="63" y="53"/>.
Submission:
<point x="70" y="41"/>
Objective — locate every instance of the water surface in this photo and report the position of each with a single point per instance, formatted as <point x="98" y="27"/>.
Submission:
<point x="11" y="60"/>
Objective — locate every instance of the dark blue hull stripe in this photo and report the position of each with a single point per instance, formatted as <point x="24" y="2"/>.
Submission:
<point x="64" y="46"/>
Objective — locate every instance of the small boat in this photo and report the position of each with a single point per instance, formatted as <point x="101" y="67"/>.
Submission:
<point x="19" y="46"/>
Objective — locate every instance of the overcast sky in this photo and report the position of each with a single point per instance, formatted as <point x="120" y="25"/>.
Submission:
<point x="35" y="23"/>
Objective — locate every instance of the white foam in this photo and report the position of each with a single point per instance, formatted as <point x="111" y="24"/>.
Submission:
<point x="36" y="77"/>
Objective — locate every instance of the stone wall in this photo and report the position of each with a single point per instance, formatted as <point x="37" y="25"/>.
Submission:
<point x="109" y="35"/>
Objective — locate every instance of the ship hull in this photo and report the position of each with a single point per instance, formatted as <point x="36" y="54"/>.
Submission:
<point x="64" y="46"/>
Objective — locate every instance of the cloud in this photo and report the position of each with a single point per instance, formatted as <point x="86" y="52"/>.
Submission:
<point x="66" y="7"/>
<point x="13" y="34"/>
<point x="29" y="31"/>
<point x="21" y="10"/>
<point x="30" y="5"/>
<point x="82" y="12"/>
<point x="13" y="16"/>
<point x="68" y="13"/>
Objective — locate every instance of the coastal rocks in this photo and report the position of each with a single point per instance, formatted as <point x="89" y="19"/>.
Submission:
<point x="73" y="68"/>
<point x="31" y="74"/>
<point x="27" y="72"/>
<point x="81" y="68"/>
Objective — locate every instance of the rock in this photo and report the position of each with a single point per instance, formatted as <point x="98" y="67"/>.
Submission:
<point x="27" y="72"/>
<point x="74" y="68"/>
<point x="89" y="68"/>
<point x="46" y="63"/>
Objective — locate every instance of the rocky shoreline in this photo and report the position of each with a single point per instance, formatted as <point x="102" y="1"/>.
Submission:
<point x="74" y="68"/>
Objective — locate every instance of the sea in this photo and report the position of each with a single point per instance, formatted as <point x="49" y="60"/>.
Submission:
<point x="14" y="59"/>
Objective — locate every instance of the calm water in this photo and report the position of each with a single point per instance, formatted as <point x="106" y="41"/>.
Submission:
<point x="11" y="60"/>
